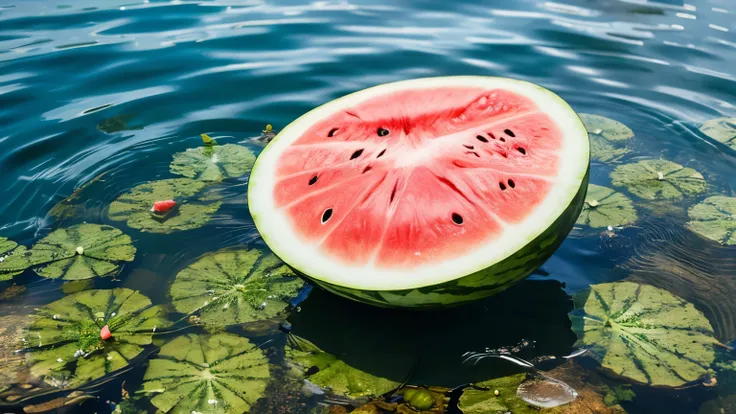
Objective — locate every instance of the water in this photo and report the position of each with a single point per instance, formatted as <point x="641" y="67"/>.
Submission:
<point x="117" y="87"/>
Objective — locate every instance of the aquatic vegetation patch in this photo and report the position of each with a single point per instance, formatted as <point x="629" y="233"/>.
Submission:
<point x="64" y="341"/>
<point x="74" y="253"/>
<point x="194" y="210"/>
<point x="494" y="396"/>
<point x="722" y="130"/>
<point x="608" y="138"/>
<point x="605" y="207"/>
<point x="13" y="259"/>
<point x="221" y="373"/>
<point x="715" y="219"/>
<point x="212" y="163"/>
<point x="11" y="362"/>
<point x="330" y="372"/>
<point x="81" y="252"/>
<point x="659" y="179"/>
<point x="644" y="333"/>
<point x="235" y="286"/>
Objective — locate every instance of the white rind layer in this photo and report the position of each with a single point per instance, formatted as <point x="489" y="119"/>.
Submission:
<point x="275" y="228"/>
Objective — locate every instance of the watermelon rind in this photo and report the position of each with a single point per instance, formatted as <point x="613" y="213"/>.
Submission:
<point x="482" y="272"/>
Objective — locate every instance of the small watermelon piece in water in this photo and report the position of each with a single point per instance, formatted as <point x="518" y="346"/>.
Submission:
<point x="105" y="333"/>
<point x="163" y="207"/>
<point x="427" y="192"/>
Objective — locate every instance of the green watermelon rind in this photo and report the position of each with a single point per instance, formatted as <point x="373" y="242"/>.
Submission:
<point x="490" y="279"/>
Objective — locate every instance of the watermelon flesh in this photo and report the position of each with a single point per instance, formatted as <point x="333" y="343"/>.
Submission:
<point x="421" y="176"/>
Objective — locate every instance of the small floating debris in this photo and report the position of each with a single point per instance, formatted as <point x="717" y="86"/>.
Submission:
<point x="546" y="392"/>
<point x="80" y="250"/>
<point x="660" y="176"/>
<point x="105" y="333"/>
<point x="163" y="207"/>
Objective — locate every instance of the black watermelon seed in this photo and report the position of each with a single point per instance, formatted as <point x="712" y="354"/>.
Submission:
<point x="313" y="180"/>
<point x="332" y="132"/>
<point x="326" y="215"/>
<point x="382" y="132"/>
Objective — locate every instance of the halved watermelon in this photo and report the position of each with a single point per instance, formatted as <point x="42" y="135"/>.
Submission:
<point x="425" y="192"/>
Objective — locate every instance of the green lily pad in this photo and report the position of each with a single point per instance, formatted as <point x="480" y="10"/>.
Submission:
<point x="12" y="259"/>
<point x="235" y="286"/>
<point x="221" y="373"/>
<point x="213" y="163"/>
<point x="117" y="123"/>
<point x="715" y="219"/>
<point x="608" y="138"/>
<point x="81" y="252"/>
<point x="605" y="207"/>
<point x="328" y="371"/>
<point x="77" y="204"/>
<point x="659" y="179"/>
<point x="64" y="337"/>
<point x="722" y="130"/>
<point x="644" y="333"/>
<point x="482" y="399"/>
<point x="135" y="207"/>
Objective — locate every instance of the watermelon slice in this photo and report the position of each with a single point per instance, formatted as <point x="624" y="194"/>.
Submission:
<point x="425" y="192"/>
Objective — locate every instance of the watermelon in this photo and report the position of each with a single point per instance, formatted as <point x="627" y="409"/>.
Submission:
<point x="423" y="193"/>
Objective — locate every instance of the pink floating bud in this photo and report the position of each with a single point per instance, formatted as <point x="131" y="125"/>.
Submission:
<point x="105" y="333"/>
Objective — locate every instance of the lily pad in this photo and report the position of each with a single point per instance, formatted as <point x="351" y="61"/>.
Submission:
<point x="78" y="203"/>
<point x="329" y="372"/>
<point x="235" y="286"/>
<point x="659" y="179"/>
<point x="715" y="219"/>
<point x="116" y="124"/>
<point x="481" y="398"/>
<point x="722" y="130"/>
<point x="135" y="207"/>
<point x="12" y="259"/>
<point x="605" y="207"/>
<point x="644" y="333"/>
<point x="608" y="138"/>
<point x="221" y="373"/>
<point x="213" y="163"/>
<point x="81" y="252"/>
<point x="64" y="337"/>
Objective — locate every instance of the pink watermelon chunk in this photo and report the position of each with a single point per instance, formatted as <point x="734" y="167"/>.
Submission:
<point x="415" y="184"/>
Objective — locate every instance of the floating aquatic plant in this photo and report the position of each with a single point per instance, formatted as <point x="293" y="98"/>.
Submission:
<point x="64" y="341"/>
<point x="222" y="373"/>
<point x="12" y="259"/>
<point x="213" y="163"/>
<point x="494" y="396"/>
<point x="78" y="252"/>
<point x="82" y="252"/>
<point x="644" y="333"/>
<point x="235" y="286"/>
<point x="194" y="210"/>
<point x="659" y="179"/>
<point x="608" y="138"/>
<point x="715" y="219"/>
<point x="330" y="372"/>
<point x="76" y="205"/>
<point x="605" y="207"/>
<point x="722" y="130"/>
<point x="117" y="123"/>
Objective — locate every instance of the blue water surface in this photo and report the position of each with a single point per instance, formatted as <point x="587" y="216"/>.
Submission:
<point x="117" y="87"/>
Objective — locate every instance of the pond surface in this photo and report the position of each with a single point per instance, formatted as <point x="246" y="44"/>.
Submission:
<point x="107" y="92"/>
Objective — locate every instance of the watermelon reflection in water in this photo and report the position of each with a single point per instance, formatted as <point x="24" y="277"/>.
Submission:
<point x="421" y="193"/>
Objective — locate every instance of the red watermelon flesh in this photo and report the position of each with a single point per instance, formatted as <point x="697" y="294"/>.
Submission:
<point x="418" y="176"/>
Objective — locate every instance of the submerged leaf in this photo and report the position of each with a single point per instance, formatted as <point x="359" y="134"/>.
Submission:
<point x="213" y="163"/>
<point x="715" y="219"/>
<point x="221" y="373"/>
<point x="82" y="252"/>
<point x="135" y="207"/>
<point x="11" y="362"/>
<point x="722" y="130"/>
<point x="605" y="207"/>
<point x="327" y="371"/>
<point x="235" y="286"/>
<point x="65" y="335"/>
<point x="659" y="179"/>
<point x="12" y="259"/>
<point x="644" y="333"/>
<point x="608" y="138"/>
